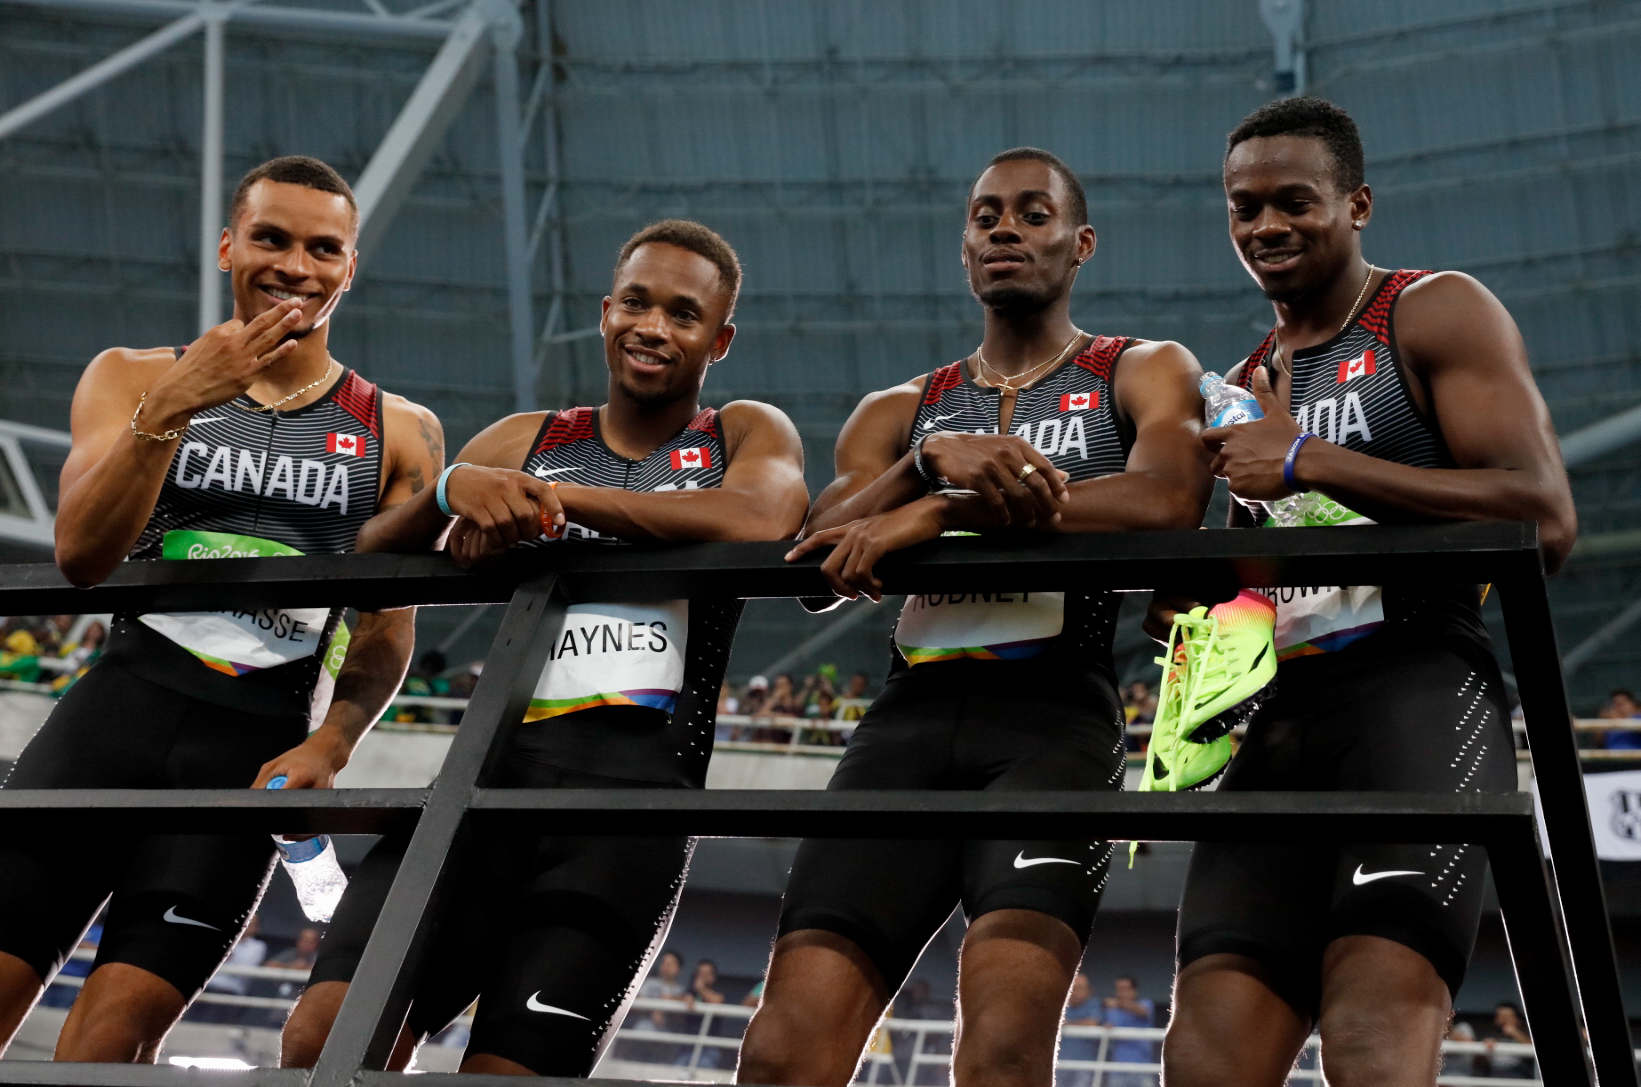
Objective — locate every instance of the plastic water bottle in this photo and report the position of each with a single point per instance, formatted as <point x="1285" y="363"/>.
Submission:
<point x="1227" y="405"/>
<point x="311" y="864"/>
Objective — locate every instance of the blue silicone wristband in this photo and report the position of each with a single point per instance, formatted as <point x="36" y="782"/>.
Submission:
<point x="438" y="492"/>
<point x="1287" y="463"/>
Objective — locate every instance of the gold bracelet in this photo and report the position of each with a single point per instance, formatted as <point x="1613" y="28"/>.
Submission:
<point x="168" y="436"/>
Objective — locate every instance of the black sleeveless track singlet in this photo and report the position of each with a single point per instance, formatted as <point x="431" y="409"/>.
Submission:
<point x="1071" y="418"/>
<point x="1354" y="391"/>
<point x="631" y="689"/>
<point x="305" y="479"/>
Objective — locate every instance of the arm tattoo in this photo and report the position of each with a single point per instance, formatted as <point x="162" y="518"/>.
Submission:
<point x="434" y="441"/>
<point x="417" y="483"/>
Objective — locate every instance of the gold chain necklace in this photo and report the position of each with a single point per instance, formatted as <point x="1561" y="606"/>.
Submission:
<point x="1003" y="385"/>
<point x="1276" y="347"/>
<point x="293" y="396"/>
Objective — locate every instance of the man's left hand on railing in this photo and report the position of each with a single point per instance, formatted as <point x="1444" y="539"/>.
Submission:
<point x="311" y="764"/>
<point x="858" y="545"/>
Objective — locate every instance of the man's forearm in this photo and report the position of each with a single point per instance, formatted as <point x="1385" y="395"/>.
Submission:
<point x="378" y="657"/>
<point x="1124" y="502"/>
<point x="891" y="490"/>
<point x="105" y="510"/>
<point x="1391" y="493"/>
<point x="708" y="514"/>
<point x="414" y="525"/>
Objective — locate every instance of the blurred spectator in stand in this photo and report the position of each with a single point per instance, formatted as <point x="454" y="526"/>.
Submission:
<point x="1461" y="1064"/>
<point x="664" y="983"/>
<point x="20" y="657"/>
<point x="1126" y="1008"/>
<point x="300" y="955"/>
<point x="750" y="1000"/>
<point x="727" y="702"/>
<point x="701" y="987"/>
<point x="783" y="699"/>
<point x="1621" y="706"/>
<point x="1139" y="708"/>
<point x="916" y="1003"/>
<point x="61" y="996"/>
<point x="79" y="656"/>
<point x="756" y="699"/>
<point x="852" y="706"/>
<point x="1083" y="1009"/>
<point x="249" y="951"/>
<point x="1507" y="1027"/>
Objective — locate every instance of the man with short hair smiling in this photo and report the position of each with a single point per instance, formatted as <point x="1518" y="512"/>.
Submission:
<point x="1398" y="397"/>
<point x="251" y="441"/>
<point x="1043" y="428"/>
<point x="555" y="931"/>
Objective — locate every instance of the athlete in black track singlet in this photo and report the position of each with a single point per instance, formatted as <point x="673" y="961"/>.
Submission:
<point x="1047" y="429"/>
<point x="1415" y="390"/>
<point x="251" y="441"/>
<point x="557" y="932"/>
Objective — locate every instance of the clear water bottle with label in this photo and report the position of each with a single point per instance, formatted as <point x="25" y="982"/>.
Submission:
<point x="311" y="864"/>
<point x="1225" y="404"/>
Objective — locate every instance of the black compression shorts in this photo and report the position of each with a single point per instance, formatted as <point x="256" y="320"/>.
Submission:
<point x="961" y="725"/>
<point x="556" y="933"/>
<point x="179" y="901"/>
<point x="1377" y="719"/>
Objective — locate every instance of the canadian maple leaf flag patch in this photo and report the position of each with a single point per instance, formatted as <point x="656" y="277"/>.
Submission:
<point x="351" y="444"/>
<point x="1079" y="401"/>
<point x="1360" y="366"/>
<point x="695" y="457"/>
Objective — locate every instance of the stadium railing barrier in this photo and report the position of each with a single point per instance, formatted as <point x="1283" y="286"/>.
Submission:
<point x="1556" y="963"/>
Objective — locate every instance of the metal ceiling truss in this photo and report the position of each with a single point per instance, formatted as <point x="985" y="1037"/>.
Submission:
<point x="465" y="30"/>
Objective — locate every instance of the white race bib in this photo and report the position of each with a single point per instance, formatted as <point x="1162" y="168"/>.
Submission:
<point x="1321" y="618"/>
<point x="983" y="626"/>
<point x="237" y="642"/>
<point x="615" y="655"/>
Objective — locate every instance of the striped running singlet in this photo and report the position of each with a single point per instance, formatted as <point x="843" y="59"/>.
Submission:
<point x="245" y="482"/>
<point x="631" y="688"/>
<point x="1354" y="391"/>
<point x="1070" y="417"/>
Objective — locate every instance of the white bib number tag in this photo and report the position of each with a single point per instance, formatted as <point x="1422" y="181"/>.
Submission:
<point x="615" y="655"/>
<point x="982" y="626"/>
<point x="1322" y="618"/>
<point x="237" y="642"/>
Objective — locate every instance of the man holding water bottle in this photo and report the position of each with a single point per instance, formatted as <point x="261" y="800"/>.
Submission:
<point x="1397" y="397"/>
<point x="253" y="440"/>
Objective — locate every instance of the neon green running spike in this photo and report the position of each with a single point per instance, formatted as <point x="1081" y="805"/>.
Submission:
<point x="1218" y="669"/>
<point x="1231" y="663"/>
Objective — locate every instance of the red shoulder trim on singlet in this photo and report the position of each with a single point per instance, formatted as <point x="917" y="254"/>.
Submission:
<point x="358" y="398"/>
<point x="706" y="422"/>
<point x="942" y="379"/>
<point x="1246" y="378"/>
<point x="1376" y="318"/>
<point x="1100" y="357"/>
<point x="569" y="425"/>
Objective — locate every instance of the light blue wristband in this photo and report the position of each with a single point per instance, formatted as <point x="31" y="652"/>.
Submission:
<point x="438" y="492"/>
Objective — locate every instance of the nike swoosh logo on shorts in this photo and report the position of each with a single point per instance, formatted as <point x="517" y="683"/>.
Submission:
<point x="1021" y="862"/>
<point x="1360" y="877"/>
<point x="537" y="1006"/>
<point x="555" y="471"/>
<point x="171" y="916"/>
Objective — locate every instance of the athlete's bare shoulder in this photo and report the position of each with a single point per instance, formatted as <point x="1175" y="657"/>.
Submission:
<point x="1450" y="317"/>
<point x="129" y="367"/>
<point x="408" y="426"/>
<point x="506" y="442"/>
<point x="769" y="425"/>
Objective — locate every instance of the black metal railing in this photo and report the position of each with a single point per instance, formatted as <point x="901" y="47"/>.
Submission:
<point x="538" y="586"/>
